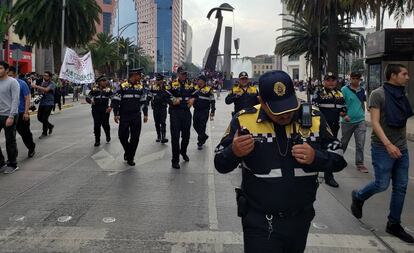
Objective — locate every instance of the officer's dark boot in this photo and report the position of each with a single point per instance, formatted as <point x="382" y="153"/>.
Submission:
<point x="330" y="180"/>
<point x="97" y="141"/>
<point x="108" y="136"/>
<point x="158" y="137"/>
<point x="163" y="139"/>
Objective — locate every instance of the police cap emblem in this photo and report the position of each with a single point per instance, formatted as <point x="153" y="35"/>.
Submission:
<point x="280" y="89"/>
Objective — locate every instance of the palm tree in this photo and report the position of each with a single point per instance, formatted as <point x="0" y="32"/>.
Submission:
<point x="104" y="53"/>
<point x="41" y="23"/>
<point x="302" y="38"/>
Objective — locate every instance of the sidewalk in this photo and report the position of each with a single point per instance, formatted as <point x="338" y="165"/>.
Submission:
<point x="410" y="122"/>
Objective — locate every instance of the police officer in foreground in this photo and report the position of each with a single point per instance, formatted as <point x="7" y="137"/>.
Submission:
<point x="127" y="104"/>
<point x="159" y="101"/>
<point x="332" y="104"/>
<point x="182" y="97"/>
<point x="99" y="97"/>
<point x="243" y="94"/>
<point x="280" y="160"/>
<point x="204" y="108"/>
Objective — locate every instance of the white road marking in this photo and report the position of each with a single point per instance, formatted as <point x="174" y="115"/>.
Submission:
<point x="178" y="248"/>
<point x="17" y="218"/>
<point x="108" y="220"/>
<point x="103" y="159"/>
<point x="57" y="151"/>
<point x="319" y="225"/>
<point x="212" y="208"/>
<point x="151" y="157"/>
<point x="63" y="219"/>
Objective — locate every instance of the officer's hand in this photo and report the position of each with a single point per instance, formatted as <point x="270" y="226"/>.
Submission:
<point x="190" y="102"/>
<point x="303" y="153"/>
<point x="116" y="118"/>
<point x="242" y="145"/>
<point x="393" y="151"/>
<point x="145" y="119"/>
<point x="109" y="110"/>
<point x="347" y="118"/>
<point x="176" y="101"/>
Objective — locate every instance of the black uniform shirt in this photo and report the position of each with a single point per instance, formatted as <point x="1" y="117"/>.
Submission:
<point x="205" y="99"/>
<point x="243" y="98"/>
<point x="100" y="97"/>
<point x="128" y="101"/>
<point x="182" y="90"/>
<point x="158" y="96"/>
<point x="331" y="103"/>
<point x="271" y="178"/>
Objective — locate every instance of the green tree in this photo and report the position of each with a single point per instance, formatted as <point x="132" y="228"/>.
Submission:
<point x="302" y="37"/>
<point x="358" y="66"/>
<point x="104" y="53"/>
<point x="41" y="23"/>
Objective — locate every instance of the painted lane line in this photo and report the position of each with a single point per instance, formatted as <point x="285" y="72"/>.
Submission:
<point x="212" y="208"/>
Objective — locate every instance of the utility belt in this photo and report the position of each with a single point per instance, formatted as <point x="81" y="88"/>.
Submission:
<point x="245" y="204"/>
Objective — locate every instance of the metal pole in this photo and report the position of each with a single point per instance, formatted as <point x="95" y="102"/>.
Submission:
<point x="127" y="59"/>
<point x="135" y="54"/>
<point x="163" y="57"/>
<point x="117" y="36"/>
<point x="63" y="31"/>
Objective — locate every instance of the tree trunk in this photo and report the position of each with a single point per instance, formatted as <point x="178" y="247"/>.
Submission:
<point x="315" y="65"/>
<point x="57" y="57"/>
<point x="333" y="41"/>
<point x="378" y="18"/>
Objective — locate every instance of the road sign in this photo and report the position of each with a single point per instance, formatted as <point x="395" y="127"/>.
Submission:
<point x="17" y="54"/>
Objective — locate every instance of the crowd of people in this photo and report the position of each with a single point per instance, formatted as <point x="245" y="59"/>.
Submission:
<point x="280" y="142"/>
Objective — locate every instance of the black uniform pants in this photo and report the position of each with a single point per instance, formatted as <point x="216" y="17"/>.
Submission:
<point x="199" y="123"/>
<point x="160" y="116"/>
<point x="334" y="126"/>
<point x="11" y="146"/>
<point x="100" y="119"/>
<point x="129" y="131"/>
<point x="180" y="124"/>
<point x="23" y="128"/>
<point x="289" y="234"/>
<point x="43" y="114"/>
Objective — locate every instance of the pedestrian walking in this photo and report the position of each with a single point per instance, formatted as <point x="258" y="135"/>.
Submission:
<point x="99" y="97"/>
<point x="280" y="160"/>
<point x="243" y="94"/>
<point x="127" y="104"/>
<point x="159" y="99"/>
<point x="9" y="108"/>
<point x="204" y="108"/>
<point x="331" y="103"/>
<point x="389" y="109"/>
<point x="47" y="91"/>
<point x="354" y="122"/>
<point x="23" y="119"/>
<point x="181" y="100"/>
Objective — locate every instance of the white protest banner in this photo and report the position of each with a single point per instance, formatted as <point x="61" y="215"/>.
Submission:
<point x="77" y="69"/>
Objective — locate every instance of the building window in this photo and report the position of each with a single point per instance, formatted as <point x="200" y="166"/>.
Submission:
<point x="255" y="68"/>
<point x="107" y="19"/>
<point x="294" y="58"/>
<point x="267" y="66"/>
<point x="107" y="1"/>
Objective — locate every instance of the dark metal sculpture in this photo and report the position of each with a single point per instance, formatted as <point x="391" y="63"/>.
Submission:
<point x="212" y="56"/>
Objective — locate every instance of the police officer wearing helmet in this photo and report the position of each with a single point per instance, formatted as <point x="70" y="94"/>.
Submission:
<point x="203" y="103"/>
<point x="280" y="161"/>
<point x="243" y="94"/>
<point x="99" y="97"/>
<point x="332" y="104"/>
<point x="159" y="102"/>
<point x="127" y="104"/>
<point x="182" y="97"/>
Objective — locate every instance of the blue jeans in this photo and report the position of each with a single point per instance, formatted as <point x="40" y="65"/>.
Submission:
<point x="387" y="168"/>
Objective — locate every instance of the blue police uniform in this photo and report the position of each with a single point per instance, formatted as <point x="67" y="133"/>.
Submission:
<point x="275" y="201"/>
<point x="127" y="103"/>
<point x="159" y="99"/>
<point x="203" y="104"/>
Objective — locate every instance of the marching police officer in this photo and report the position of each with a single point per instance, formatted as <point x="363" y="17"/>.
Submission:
<point x="202" y="104"/>
<point x="280" y="160"/>
<point x="243" y="94"/>
<point x="99" y="97"/>
<point x="159" y="101"/>
<point x="181" y="100"/>
<point x="127" y="104"/>
<point x="332" y="104"/>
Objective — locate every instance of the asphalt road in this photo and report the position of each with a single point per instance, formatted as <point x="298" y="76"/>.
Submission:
<point x="73" y="197"/>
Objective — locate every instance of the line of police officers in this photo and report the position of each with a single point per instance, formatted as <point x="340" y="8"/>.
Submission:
<point x="132" y="97"/>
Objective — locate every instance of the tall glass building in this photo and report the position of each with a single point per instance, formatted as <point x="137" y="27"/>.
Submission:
<point x="161" y="37"/>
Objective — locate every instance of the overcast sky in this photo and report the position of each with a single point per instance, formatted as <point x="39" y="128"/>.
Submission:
<point x="254" y="22"/>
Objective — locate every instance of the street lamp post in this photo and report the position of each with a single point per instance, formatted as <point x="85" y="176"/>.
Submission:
<point x="63" y="30"/>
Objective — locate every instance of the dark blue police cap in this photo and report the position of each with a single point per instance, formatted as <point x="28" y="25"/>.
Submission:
<point x="159" y="77"/>
<point x="136" y="71"/>
<point x="101" y="78"/>
<point x="202" y="77"/>
<point x="277" y="92"/>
